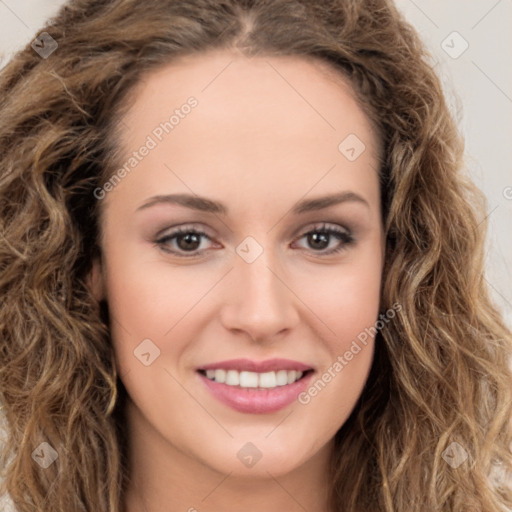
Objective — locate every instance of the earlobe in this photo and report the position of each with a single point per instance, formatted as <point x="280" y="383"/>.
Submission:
<point x="95" y="280"/>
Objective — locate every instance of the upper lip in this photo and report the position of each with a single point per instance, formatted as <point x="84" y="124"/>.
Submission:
<point x="257" y="366"/>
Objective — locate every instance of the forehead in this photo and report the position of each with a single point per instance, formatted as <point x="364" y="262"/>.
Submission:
<point x="292" y="86"/>
<point x="259" y="122"/>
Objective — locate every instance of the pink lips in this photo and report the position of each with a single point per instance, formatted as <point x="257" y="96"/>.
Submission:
<point x="254" y="400"/>
<point x="271" y="365"/>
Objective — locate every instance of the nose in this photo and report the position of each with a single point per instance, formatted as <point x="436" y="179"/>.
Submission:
<point x="261" y="302"/>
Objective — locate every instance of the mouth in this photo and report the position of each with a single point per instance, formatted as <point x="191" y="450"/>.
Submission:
<point x="256" y="387"/>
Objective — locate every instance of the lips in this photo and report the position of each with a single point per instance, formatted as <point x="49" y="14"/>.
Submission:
<point x="262" y="395"/>
<point x="248" y="365"/>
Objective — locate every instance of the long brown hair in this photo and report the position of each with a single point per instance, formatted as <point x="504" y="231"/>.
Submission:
<point x="441" y="370"/>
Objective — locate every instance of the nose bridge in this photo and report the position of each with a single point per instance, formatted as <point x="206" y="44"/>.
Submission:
<point x="262" y="304"/>
<point x="259" y="281"/>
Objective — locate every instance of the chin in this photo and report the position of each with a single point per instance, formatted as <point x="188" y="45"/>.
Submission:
<point x="257" y="459"/>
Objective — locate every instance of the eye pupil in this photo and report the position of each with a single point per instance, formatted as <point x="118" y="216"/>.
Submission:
<point x="187" y="237"/>
<point x="322" y="237"/>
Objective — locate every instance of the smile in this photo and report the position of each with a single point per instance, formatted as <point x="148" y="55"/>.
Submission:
<point x="256" y="387"/>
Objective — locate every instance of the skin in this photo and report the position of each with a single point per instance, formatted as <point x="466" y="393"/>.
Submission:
<point x="264" y="135"/>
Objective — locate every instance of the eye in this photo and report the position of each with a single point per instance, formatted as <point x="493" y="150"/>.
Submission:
<point x="320" y="236"/>
<point x="186" y="239"/>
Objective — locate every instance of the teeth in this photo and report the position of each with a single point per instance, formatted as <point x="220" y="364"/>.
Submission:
<point x="232" y="378"/>
<point x="220" y="375"/>
<point x="245" y="379"/>
<point x="268" y="380"/>
<point x="248" y="380"/>
<point x="282" y="378"/>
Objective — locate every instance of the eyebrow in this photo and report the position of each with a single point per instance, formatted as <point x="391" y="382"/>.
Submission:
<point x="204" y="204"/>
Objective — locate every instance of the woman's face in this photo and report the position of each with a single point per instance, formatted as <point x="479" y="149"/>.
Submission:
<point x="268" y="277"/>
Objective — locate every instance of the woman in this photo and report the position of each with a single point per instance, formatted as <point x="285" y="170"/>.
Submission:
<point x="254" y="368"/>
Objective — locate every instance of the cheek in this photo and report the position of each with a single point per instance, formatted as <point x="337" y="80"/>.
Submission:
<point x="349" y="306"/>
<point x="148" y="296"/>
<point x="332" y="395"/>
<point x="148" y="303"/>
<point x="347" y="299"/>
<point x="347" y="303"/>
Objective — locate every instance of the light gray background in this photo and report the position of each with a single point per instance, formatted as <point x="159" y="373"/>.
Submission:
<point x="478" y="85"/>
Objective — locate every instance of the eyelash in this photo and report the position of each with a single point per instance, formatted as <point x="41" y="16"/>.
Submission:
<point x="342" y="235"/>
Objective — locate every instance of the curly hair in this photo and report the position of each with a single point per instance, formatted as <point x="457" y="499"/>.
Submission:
<point x="441" y="373"/>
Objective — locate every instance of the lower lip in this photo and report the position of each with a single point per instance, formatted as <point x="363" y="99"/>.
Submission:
<point x="257" y="401"/>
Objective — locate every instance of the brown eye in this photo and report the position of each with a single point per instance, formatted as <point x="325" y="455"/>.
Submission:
<point x="188" y="241"/>
<point x="319" y="239"/>
<point x="183" y="240"/>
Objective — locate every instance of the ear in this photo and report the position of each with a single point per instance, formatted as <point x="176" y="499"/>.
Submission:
<point x="95" y="280"/>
